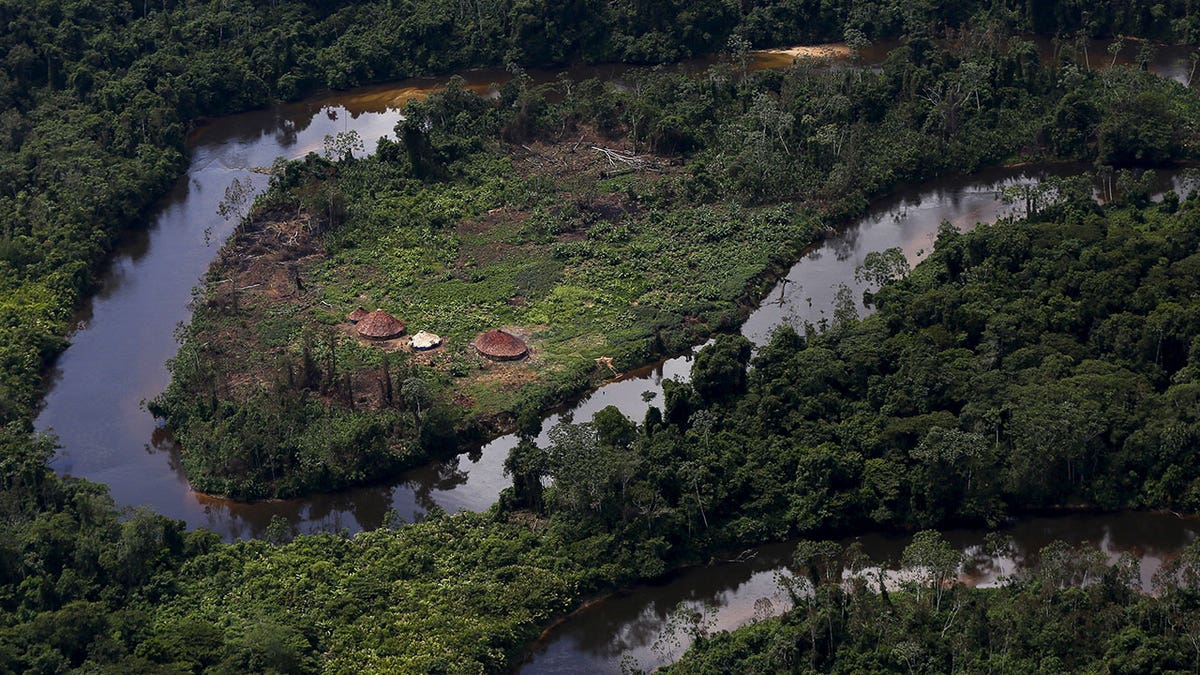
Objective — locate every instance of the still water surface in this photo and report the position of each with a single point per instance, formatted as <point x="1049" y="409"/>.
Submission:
<point x="634" y="625"/>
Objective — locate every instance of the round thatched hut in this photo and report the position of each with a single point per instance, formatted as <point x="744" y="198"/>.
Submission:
<point x="379" y="325"/>
<point x="424" y="341"/>
<point x="357" y="315"/>
<point x="500" y="345"/>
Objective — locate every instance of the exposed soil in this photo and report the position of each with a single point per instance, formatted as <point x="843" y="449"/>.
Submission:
<point x="507" y="375"/>
<point x="571" y="154"/>
<point x="491" y="219"/>
<point x="829" y="51"/>
<point x="265" y="258"/>
<point x="614" y="207"/>
<point x="580" y="154"/>
<point x="476" y="255"/>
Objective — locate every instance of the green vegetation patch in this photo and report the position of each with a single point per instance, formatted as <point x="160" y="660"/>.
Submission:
<point x="518" y="212"/>
<point x="579" y="277"/>
<point x="453" y="594"/>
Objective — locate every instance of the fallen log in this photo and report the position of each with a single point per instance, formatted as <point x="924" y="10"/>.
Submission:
<point x="620" y="159"/>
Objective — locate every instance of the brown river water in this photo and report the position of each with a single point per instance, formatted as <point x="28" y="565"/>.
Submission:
<point x="125" y="335"/>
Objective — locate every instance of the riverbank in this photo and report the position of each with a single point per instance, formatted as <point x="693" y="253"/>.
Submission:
<point x="1090" y="606"/>
<point x="602" y="258"/>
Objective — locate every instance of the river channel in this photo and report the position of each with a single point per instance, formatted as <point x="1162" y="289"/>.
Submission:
<point x="125" y="336"/>
<point x="635" y="625"/>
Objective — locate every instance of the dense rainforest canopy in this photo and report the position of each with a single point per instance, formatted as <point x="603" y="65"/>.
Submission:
<point x="97" y="100"/>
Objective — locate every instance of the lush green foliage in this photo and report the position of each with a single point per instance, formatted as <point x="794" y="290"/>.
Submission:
<point x="462" y="226"/>
<point x="97" y="97"/>
<point x="1023" y="365"/>
<point x="86" y="587"/>
<point x="78" y="582"/>
<point x="96" y="101"/>
<point x="1072" y="611"/>
<point x="452" y="594"/>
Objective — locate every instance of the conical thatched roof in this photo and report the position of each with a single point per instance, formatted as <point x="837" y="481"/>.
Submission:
<point x="357" y="315"/>
<point x="424" y="340"/>
<point x="500" y="345"/>
<point x="379" y="325"/>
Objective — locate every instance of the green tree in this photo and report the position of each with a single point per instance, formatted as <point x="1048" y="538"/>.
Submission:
<point x="720" y="368"/>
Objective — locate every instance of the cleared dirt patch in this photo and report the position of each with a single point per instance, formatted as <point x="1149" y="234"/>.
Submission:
<point x="586" y="153"/>
<point x="494" y="217"/>
<point x="509" y="376"/>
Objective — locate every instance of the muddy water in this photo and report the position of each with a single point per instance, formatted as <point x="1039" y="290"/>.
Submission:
<point x="635" y="625"/>
<point x="125" y="335"/>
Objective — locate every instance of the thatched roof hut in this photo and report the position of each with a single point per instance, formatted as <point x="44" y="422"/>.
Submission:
<point x="357" y="315"/>
<point x="500" y="345"/>
<point x="379" y="325"/>
<point x="424" y="341"/>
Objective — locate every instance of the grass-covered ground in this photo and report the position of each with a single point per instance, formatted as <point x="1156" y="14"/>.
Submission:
<point x="598" y="268"/>
<point x="543" y="242"/>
